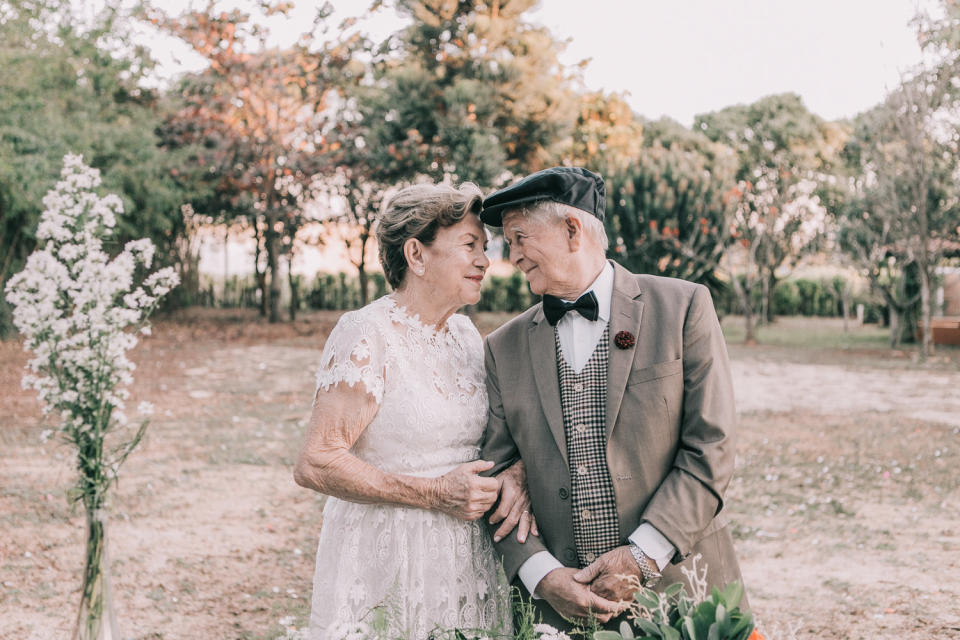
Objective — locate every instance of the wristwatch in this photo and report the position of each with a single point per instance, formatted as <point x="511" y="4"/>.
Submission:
<point x="651" y="576"/>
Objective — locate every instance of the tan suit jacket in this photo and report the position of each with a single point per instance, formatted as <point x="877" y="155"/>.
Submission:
<point x="669" y="423"/>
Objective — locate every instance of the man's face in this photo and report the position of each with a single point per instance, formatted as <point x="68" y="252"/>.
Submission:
<point x="539" y="249"/>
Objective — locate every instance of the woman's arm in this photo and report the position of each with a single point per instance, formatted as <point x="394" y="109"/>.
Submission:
<point x="326" y="465"/>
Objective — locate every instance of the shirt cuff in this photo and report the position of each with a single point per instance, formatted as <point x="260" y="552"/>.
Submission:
<point x="535" y="569"/>
<point x="652" y="543"/>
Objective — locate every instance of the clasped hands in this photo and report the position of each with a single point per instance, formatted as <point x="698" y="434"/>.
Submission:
<point x="465" y="494"/>
<point x="598" y="589"/>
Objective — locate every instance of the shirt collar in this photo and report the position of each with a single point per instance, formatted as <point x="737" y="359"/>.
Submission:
<point x="602" y="287"/>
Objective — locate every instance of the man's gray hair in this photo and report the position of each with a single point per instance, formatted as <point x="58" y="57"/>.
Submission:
<point x="552" y="211"/>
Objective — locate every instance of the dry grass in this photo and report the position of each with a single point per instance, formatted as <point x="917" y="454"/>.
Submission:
<point x="847" y="518"/>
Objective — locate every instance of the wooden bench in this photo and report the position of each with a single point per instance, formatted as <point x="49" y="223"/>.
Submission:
<point x="945" y="330"/>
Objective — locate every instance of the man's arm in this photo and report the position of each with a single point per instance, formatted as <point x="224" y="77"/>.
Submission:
<point x="691" y="495"/>
<point x="499" y="446"/>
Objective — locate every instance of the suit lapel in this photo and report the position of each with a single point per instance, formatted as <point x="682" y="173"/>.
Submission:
<point x="543" y="359"/>
<point x="626" y="312"/>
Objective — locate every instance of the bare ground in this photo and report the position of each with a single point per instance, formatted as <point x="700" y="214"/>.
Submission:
<point x="845" y="503"/>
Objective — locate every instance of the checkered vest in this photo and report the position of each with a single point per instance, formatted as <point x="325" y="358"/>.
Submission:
<point x="583" y="397"/>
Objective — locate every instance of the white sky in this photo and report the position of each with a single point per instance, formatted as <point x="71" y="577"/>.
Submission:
<point x="683" y="57"/>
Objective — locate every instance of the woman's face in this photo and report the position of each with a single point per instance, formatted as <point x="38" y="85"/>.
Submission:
<point x="454" y="263"/>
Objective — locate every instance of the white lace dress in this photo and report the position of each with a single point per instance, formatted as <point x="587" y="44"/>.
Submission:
<point x="422" y="569"/>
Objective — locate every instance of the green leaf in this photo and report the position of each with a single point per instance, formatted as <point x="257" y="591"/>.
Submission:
<point x="606" y="635"/>
<point x="713" y="633"/>
<point x="673" y="589"/>
<point x="647" y="599"/>
<point x="690" y="631"/>
<point x="743" y="628"/>
<point x="669" y="633"/>
<point x="721" y="613"/>
<point x="733" y="593"/>
<point x="626" y="631"/>
<point x="648" y="628"/>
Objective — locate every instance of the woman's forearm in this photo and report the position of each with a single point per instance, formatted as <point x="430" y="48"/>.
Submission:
<point x="337" y="472"/>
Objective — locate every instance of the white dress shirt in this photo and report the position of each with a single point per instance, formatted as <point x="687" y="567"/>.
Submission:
<point x="578" y="340"/>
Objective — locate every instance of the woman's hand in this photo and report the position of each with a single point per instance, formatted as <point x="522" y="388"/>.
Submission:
<point x="463" y="493"/>
<point x="514" y="507"/>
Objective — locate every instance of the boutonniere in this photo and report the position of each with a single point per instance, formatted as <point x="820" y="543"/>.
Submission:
<point x="624" y="340"/>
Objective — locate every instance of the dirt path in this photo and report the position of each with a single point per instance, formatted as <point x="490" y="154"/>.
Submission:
<point x="845" y="502"/>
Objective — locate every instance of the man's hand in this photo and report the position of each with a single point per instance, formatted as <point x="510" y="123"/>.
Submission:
<point x="514" y="506"/>
<point x="602" y="575"/>
<point x="574" y="600"/>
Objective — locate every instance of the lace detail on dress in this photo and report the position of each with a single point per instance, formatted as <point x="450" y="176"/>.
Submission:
<point x="425" y="568"/>
<point x="353" y="353"/>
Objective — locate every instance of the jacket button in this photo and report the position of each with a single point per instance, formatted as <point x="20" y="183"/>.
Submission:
<point x="569" y="555"/>
<point x="564" y="493"/>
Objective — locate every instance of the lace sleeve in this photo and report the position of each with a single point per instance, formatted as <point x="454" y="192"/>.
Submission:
<point x="354" y="353"/>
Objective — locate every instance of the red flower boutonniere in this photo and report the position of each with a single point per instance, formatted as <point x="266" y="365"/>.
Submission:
<point x="624" y="340"/>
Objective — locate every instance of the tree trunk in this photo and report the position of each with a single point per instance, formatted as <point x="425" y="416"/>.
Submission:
<point x="294" y="290"/>
<point x="261" y="275"/>
<point x="894" y="315"/>
<point x="927" y="345"/>
<point x="362" y="274"/>
<point x="743" y="295"/>
<point x="845" y="307"/>
<point x="273" y="264"/>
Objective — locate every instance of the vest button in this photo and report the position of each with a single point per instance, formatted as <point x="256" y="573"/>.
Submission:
<point x="578" y="387"/>
<point x="582" y="470"/>
<point x="569" y="555"/>
<point x="581" y="428"/>
<point x="590" y="557"/>
<point x="585" y="514"/>
<point x="564" y="493"/>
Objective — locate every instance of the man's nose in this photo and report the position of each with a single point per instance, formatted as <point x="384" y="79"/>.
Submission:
<point x="514" y="255"/>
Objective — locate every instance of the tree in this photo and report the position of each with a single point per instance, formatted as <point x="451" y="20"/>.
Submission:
<point x="779" y="141"/>
<point x="606" y="135"/>
<point x="70" y="84"/>
<point x="903" y="204"/>
<point x="259" y="113"/>
<point x="776" y="221"/>
<point x="485" y="94"/>
<point x="669" y="215"/>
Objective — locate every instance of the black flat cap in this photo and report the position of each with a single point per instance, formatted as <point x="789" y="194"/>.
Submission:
<point x="568" y="185"/>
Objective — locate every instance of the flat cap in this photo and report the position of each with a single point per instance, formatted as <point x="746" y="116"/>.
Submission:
<point x="573" y="186"/>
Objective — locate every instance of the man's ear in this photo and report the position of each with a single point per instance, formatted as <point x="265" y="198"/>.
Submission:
<point x="574" y="230"/>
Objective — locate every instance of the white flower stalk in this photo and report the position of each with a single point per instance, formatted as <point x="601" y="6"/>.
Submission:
<point x="78" y="311"/>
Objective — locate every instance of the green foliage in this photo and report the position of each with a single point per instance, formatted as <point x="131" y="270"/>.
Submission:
<point x="470" y="90"/>
<point x="510" y="294"/>
<point x="668" y="215"/>
<point x="804" y="297"/>
<point x="72" y="85"/>
<point x="675" y="615"/>
<point x="777" y="130"/>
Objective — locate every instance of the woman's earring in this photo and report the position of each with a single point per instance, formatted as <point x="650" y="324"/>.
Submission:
<point x="418" y="271"/>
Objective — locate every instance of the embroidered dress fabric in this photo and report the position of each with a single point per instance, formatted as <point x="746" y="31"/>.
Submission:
<point x="425" y="569"/>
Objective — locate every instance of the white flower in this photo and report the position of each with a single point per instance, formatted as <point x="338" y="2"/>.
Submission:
<point x="548" y="632"/>
<point x="77" y="309"/>
<point x="145" y="408"/>
<point x="349" y="631"/>
<point x="45" y="435"/>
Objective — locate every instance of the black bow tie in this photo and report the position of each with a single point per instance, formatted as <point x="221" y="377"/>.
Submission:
<point x="586" y="305"/>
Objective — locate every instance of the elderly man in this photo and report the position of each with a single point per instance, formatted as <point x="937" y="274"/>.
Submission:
<point x="616" y="394"/>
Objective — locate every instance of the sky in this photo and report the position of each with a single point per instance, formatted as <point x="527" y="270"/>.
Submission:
<point x="684" y="57"/>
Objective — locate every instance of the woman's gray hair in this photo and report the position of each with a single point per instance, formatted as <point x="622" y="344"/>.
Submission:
<point x="419" y="211"/>
<point x="552" y="211"/>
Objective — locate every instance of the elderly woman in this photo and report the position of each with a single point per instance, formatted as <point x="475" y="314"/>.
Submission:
<point x="395" y="436"/>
